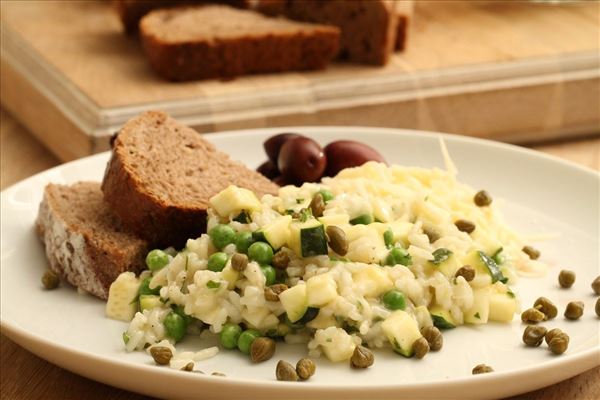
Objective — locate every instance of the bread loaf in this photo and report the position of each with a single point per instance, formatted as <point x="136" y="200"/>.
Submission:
<point x="220" y="42"/>
<point x="162" y="174"/>
<point x="84" y="241"/>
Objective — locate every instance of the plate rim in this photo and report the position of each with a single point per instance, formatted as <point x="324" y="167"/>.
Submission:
<point x="588" y="357"/>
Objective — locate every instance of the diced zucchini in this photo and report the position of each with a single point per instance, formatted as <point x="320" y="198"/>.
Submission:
<point x="449" y="266"/>
<point x="442" y="318"/>
<point x="402" y="331"/>
<point x="308" y="239"/>
<point x="423" y="317"/>
<point x="230" y="275"/>
<point x="277" y="233"/>
<point x="334" y="219"/>
<point x="259" y="236"/>
<point x="364" y="219"/>
<point x="322" y="321"/>
<point x="122" y="295"/>
<point x="320" y="290"/>
<point x="233" y="200"/>
<point x="480" y="311"/>
<point x="372" y="281"/>
<point x="294" y="302"/>
<point x="243" y="217"/>
<point x="502" y="307"/>
<point x="483" y="265"/>
<point x="149" y="301"/>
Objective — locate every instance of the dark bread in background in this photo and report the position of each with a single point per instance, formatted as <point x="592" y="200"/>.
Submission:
<point x="162" y="174"/>
<point x="368" y="27"/>
<point x="132" y="11"/>
<point x="223" y="42"/>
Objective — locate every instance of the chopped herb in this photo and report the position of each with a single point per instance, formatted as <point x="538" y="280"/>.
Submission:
<point x="477" y="315"/>
<point x="440" y="255"/>
<point x="125" y="337"/>
<point x="187" y="259"/>
<point x="305" y="214"/>
<point x="388" y="238"/>
<point x="329" y="340"/>
<point x="213" y="285"/>
<point x="492" y="267"/>
<point x="299" y="201"/>
<point x="498" y="257"/>
<point x="164" y="301"/>
<point x="510" y="293"/>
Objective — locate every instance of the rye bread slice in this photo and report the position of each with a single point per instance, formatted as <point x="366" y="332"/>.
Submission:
<point x="85" y="242"/>
<point x="224" y="42"/>
<point x="131" y="11"/>
<point x="368" y="27"/>
<point x="162" y="174"/>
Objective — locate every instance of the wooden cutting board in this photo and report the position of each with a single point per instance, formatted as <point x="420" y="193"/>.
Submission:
<point x="516" y="71"/>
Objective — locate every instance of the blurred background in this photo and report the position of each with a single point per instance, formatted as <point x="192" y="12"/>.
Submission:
<point x="525" y="72"/>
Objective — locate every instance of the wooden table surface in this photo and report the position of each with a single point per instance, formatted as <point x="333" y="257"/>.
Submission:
<point x="25" y="376"/>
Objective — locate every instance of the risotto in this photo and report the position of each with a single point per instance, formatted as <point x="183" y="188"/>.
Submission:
<point x="372" y="256"/>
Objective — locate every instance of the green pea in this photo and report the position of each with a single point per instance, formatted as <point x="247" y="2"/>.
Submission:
<point x="179" y="311"/>
<point x="217" y="261"/>
<point x="397" y="256"/>
<point x="364" y="219"/>
<point x="245" y="340"/>
<point x="394" y="300"/>
<point x="388" y="238"/>
<point x="260" y="252"/>
<point x="270" y="274"/>
<point x="145" y="288"/>
<point x="222" y="235"/>
<point x="229" y="335"/>
<point x="157" y="259"/>
<point x="326" y="194"/>
<point x="243" y="240"/>
<point x="174" y="326"/>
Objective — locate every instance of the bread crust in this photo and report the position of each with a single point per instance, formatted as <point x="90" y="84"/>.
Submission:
<point x="368" y="27"/>
<point x="73" y="248"/>
<point x="204" y="58"/>
<point x="153" y="213"/>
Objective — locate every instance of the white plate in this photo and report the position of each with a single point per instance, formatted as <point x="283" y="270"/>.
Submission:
<point x="542" y="194"/>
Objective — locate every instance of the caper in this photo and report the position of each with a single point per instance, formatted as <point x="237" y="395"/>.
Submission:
<point x="482" y="369"/>
<point x="464" y="225"/>
<point x="272" y="292"/>
<point x="421" y="347"/>
<point x="188" y="367"/>
<point x="162" y="355"/>
<point x="596" y="285"/>
<point x="285" y="371"/>
<point x="532" y="316"/>
<point x="533" y="336"/>
<point x="50" y="280"/>
<point x="262" y="349"/>
<point x="336" y="238"/>
<point x="482" y="199"/>
<point x="566" y="278"/>
<point x="281" y="260"/>
<point x="317" y="205"/>
<point x="434" y="337"/>
<point x="239" y="262"/>
<point x="551" y="333"/>
<point x="533" y="253"/>
<point x="467" y="272"/>
<point x="432" y="235"/>
<point x="574" y="310"/>
<point x="559" y="343"/>
<point x="598" y="307"/>
<point x="362" y="357"/>
<point x="305" y="368"/>
<point x="546" y="306"/>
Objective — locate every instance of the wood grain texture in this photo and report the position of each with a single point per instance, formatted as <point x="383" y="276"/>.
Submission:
<point x="26" y="376"/>
<point x="110" y="69"/>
